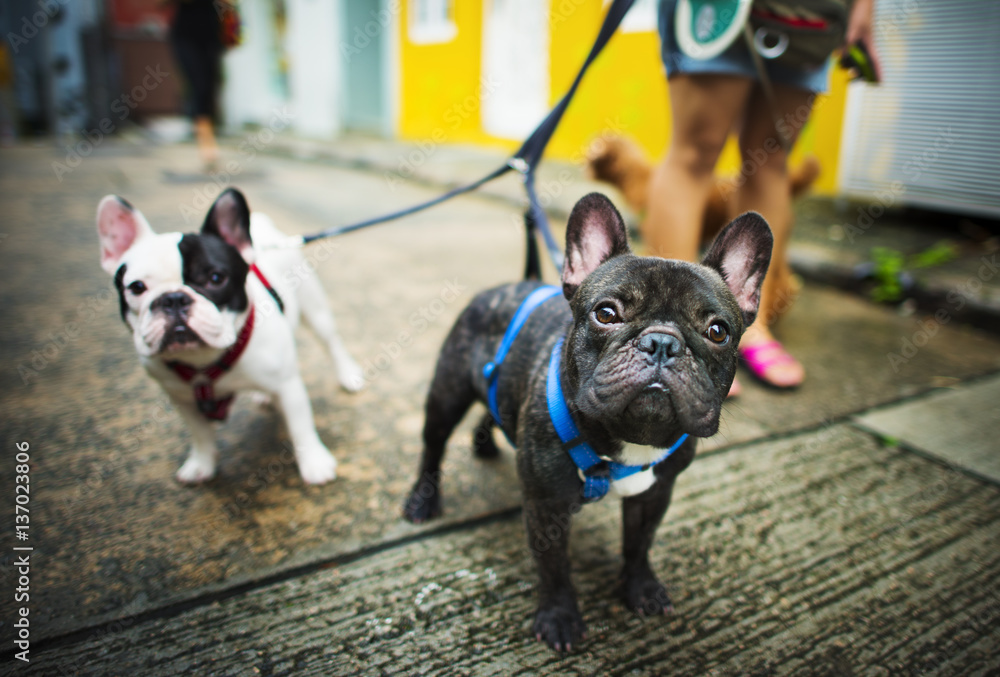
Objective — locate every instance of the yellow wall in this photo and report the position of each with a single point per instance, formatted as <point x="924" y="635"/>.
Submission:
<point x="439" y="97"/>
<point x="625" y="90"/>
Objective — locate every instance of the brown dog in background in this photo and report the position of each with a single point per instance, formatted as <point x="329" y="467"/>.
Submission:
<point x="620" y="161"/>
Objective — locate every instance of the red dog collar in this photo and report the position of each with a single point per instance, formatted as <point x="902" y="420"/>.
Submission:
<point x="204" y="393"/>
<point x="267" y="285"/>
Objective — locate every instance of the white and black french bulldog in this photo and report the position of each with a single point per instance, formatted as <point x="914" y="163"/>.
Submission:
<point x="602" y="388"/>
<point x="211" y="315"/>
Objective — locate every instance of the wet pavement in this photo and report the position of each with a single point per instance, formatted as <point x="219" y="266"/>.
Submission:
<point x="851" y="527"/>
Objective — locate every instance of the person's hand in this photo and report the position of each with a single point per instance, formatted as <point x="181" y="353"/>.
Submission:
<point x="859" y="29"/>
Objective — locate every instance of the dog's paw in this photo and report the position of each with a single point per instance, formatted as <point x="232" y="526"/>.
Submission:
<point x="352" y="377"/>
<point x="559" y="625"/>
<point x="424" y="502"/>
<point x="646" y="595"/>
<point x="317" y="465"/>
<point x="196" y="469"/>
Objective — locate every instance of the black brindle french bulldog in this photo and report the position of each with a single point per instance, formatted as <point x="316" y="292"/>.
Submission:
<point x="648" y="357"/>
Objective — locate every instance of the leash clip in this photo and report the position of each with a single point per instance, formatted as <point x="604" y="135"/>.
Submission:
<point x="518" y="164"/>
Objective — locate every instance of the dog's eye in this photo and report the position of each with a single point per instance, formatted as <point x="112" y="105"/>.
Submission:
<point x="718" y="334"/>
<point x="217" y="279"/>
<point x="138" y="287"/>
<point x="606" y="315"/>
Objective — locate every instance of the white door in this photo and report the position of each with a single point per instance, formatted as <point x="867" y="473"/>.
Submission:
<point x="514" y="91"/>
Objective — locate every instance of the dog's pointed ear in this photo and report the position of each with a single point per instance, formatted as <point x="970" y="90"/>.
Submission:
<point x="594" y="234"/>
<point x="229" y="219"/>
<point x="741" y="253"/>
<point x="119" y="226"/>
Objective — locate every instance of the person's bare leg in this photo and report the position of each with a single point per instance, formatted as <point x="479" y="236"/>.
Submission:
<point x="207" y="146"/>
<point x="704" y="109"/>
<point x="765" y="189"/>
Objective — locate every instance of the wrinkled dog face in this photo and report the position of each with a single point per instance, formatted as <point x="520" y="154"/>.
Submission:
<point x="662" y="354"/>
<point x="177" y="292"/>
<point x="652" y="349"/>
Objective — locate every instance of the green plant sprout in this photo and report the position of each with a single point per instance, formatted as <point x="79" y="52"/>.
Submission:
<point x="890" y="265"/>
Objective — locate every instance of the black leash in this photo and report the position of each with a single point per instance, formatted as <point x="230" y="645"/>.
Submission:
<point x="340" y="230"/>
<point x="525" y="161"/>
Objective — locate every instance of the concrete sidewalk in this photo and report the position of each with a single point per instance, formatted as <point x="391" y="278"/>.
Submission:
<point x="851" y="527"/>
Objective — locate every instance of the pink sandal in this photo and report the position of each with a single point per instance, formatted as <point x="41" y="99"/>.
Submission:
<point x="759" y="358"/>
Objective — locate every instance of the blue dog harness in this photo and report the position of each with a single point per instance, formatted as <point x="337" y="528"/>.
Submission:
<point x="492" y="369"/>
<point x="597" y="473"/>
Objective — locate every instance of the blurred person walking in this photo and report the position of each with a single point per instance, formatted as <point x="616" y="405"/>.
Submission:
<point x="196" y="36"/>
<point x="709" y="98"/>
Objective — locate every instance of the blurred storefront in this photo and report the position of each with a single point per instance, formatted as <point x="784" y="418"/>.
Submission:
<point x="495" y="75"/>
<point x="330" y="64"/>
<point x="79" y="63"/>
<point x="926" y="136"/>
<point x="138" y="41"/>
<point x="59" y="67"/>
<point x="486" y="71"/>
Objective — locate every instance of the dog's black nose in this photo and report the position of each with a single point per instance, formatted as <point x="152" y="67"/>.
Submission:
<point x="661" y="347"/>
<point x="175" y="303"/>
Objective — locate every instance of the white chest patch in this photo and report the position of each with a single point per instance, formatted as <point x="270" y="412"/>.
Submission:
<point x="637" y="454"/>
<point x="633" y="484"/>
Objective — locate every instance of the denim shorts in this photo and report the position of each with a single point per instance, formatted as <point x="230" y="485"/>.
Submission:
<point x="736" y="60"/>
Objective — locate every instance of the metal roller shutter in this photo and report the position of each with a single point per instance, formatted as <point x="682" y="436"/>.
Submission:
<point x="929" y="135"/>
